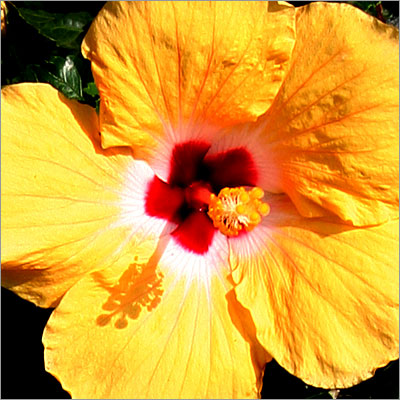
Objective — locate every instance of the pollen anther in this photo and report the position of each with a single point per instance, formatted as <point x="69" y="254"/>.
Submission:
<point x="235" y="209"/>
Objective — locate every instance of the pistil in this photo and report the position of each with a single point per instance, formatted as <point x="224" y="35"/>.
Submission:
<point x="197" y="195"/>
<point x="235" y="209"/>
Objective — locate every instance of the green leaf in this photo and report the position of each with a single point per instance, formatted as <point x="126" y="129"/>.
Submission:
<point x="367" y="6"/>
<point x="67" y="80"/>
<point x="63" y="75"/>
<point x="64" y="29"/>
<point x="91" y="89"/>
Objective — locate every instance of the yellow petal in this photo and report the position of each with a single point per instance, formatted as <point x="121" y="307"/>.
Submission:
<point x="167" y="67"/>
<point x="324" y="296"/>
<point x="332" y="133"/>
<point x="168" y="327"/>
<point x="67" y="205"/>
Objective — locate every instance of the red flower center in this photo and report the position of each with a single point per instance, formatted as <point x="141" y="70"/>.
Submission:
<point x="194" y="175"/>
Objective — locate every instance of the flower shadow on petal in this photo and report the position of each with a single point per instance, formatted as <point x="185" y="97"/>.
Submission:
<point x="15" y="274"/>
<point x="245" y="325"/>
<point x="139" y="289"/>
<point x="284" y="215"/>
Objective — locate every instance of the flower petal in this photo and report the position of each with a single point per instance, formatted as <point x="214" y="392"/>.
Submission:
<point x="68" y="207"/>
<point x="332" y="132"/>
<point x="167" y="327"/>
<point x="323" y="295"/>
<point x="172" y="66"/>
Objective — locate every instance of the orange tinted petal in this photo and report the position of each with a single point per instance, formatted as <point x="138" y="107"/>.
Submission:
<point x="66" y="203"/>
<point x="172" y="66"/>
<point x="164" y="328"/>
<point x="332" y="133"/>
<point x="324" y="297"/>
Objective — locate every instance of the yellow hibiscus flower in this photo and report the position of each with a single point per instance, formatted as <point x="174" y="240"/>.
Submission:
<point x="239" y="204"/>
<point x="3" y="17"/>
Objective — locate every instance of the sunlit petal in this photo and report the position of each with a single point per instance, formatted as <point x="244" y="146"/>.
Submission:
<point x="324" y="296"/>
<point x="167" y="67"/>
<point x="168" y="327"/>
<point x="68" y="207"/>
<point x="332" y="133"/>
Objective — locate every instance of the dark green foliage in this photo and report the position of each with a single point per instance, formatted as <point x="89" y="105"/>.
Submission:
<point x="66" y="30"/>
<point x="386" y="11"/>
<point x="42" y="44"/>
<point x="91" y="89"/>
<point x="63" y="74"/>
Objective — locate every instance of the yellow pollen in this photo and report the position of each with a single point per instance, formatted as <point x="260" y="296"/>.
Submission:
<point x="235" y="209"/>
